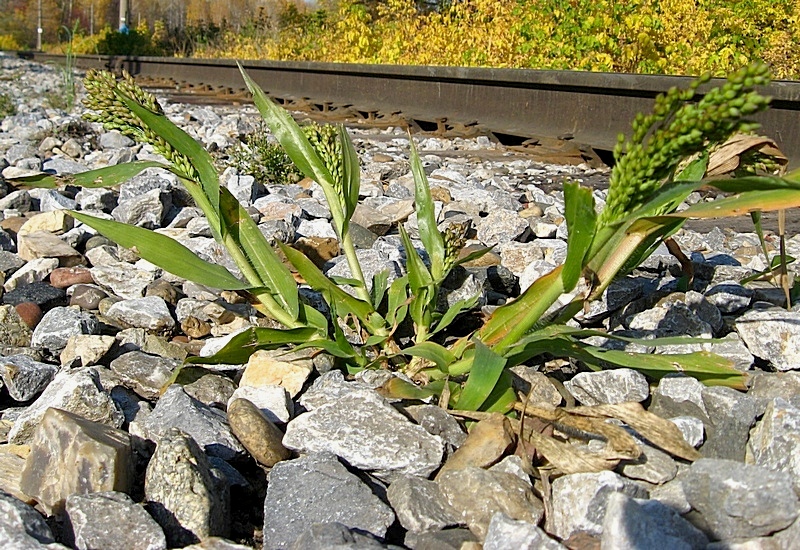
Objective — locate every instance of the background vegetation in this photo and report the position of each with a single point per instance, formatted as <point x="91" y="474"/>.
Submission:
<point x="646" y="36"/>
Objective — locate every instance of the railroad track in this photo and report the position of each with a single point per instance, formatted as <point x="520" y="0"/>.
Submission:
<point x="558" y="113"/>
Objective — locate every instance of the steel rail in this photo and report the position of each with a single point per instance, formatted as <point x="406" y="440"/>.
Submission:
<point x="587" y="108"/>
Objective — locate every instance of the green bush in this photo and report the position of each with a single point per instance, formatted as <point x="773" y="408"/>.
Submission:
<point x="263" y="158"/>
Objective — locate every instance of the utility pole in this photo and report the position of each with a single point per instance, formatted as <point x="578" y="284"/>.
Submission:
<point x="39" y="28"/>
<point x="91" y="19"/>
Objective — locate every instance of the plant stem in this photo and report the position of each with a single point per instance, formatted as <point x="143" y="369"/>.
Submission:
<point x="355" y="267"/>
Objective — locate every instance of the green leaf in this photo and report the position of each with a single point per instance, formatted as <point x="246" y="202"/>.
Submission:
<point x="581" y="221"/>
<point x="337" y="349"/>
<point x="239" y="349"/>
<point x="398" y="388"/>
<point x="398" y="301"/>
<point x="351" y="174"/>
<point x="342" y="301"/>
<point x="257" y="253"/>
<point x="429" y="233"/>
<point x="484" y="375"/>
<point x="432" y="352"/>
<point x="503" y="397"/>
<point x="108" y="176"/>
<point x="164" y="252"/>
<point x="380" y="282"/>
<point x="695" y="170"/>
<point x="454" y="311"/>
<point x="418" y="275"/>
<point x="186" y="145"/>
<point x="743" y="203"/>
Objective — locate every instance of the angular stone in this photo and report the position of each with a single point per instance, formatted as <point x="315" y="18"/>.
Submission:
<point x="32" y="272"/>
<point x="123" y="279"/>
<point x="77" y="391"/>
<point x="146" y="210"/>
<point x="211" y="389"/>
<point x="679" y="396"/>
<point x="329" y="388"/>
<point x="486" y="444"/>
<point x="737" y="500"/>
<point x="477" y="494"/>
<point x="775" y="441"/>
<point x="369" y="434"/>
<point x="609" y="386"/>
<point x="647" y="525"/>
<point x="731" y="414"/>
<point x="290" y="370"/>
<point x="114" y="140"/>
<point x="766" y="386"/>
<point x="12" y="463"/>
<point x="143" y="373"/>
<point x="150" y="313"/>
<point x="42" y="294"/>
<point x="420" y="505"/>
<point x="22" y="527"/>
<point x="372" y="262"/>
<point x="501" y="226"/>
<point x="24" y="377"/>
<point x="43" y="244"/>
<point x="273" y="401"/>
<point x="449" y="539"/>
<point x="580" y="501"/>
<point x="89" y="349"/>
<point x="95" y="520"/>
<point x="14" y="332"/>
<point x="540" y="390"/>
<point x="692" y="429"/>
<point x="261" y="438"/>
<point x="439" y="422"/>
<point x="207" y="426"/>
<point x="654" y="466"/>
<point x="58" y="325"/>
<point x="318" y="488"/>
<point x="334" y="535"/>
<point x="772" y="334"/>
<point x="79" y="456"/>
<point x="504" y="533"/>
<point x="182" y="494"/>
<point x="729" y="296"/>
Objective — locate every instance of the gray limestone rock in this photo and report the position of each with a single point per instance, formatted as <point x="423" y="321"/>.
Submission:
<point x="654" y="466"/>
<point x="766" y="386"/>
<point x="729" y="296"/>
<point x="367" y="432"/>
<point x="317" y="488"/>
<point x="477" y="494"/>
<point x="420" y="505"/>
<point x="207" y="426"/>
<point x="25" y="377"/>
<point x="775" y="441"/>
<point x="372" y="262"/>
<point x="736" y="500"/>
<point x="328" y="388"/>
<point x="124" y="280"/>
<point x="150" y="313"/>
<point x="692" y="429"/>
<point x="78" y="391"/>
<point x="772" y="334"/>
<point x="609" y="386"/>
<point x="181" y="492"/>
<point x="114" y="140"/>
<point x="78" y="456"/>
<point x="20" y="525"/>
<point x="501" y="226"/>
<point x="88" y="349"/>
<point x="449" y="539"/>
<point x="437" y="421"/>
<point x="58" y="324"/>
<point x="731" y="414"/>
<point x="504" y="533"/>
<point x="679" y="396"/>
<point x="144" y="373"/>
<point x="334" y="536"/>
<point x="96" y="520"/>
<point x="580" y="502"/>
<point x="647" y="525"/>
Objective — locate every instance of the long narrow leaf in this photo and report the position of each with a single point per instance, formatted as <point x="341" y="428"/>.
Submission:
<point x="432" y="352"/>
<point x="581" y="221"/>
<point x="486" y="369"/>
<point x="344" y="302"/>
<point x="258" y="253"/>
<point x="454" y="311"/>
<point x="108" y="176"/>
<point x="186" y="145"/>
<point x="239" y="348"/>
<point x="164" y="252"/>
<point x="743" y="203"/>
<point x="351" y="175"/>
<point x="426" y="216"/>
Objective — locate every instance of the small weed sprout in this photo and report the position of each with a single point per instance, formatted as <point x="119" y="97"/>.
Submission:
<point x="260" y="156"/>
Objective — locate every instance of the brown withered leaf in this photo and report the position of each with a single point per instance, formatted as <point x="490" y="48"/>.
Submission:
<point x="728" y="157"/>
<point x="658" y="431"/>
<point x="568" y="458"/>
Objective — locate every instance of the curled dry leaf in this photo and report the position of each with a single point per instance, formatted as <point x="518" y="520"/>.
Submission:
<point x="728" y="157"/>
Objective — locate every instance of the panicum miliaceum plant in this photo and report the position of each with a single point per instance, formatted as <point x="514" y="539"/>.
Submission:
<point x="467" y="372"/>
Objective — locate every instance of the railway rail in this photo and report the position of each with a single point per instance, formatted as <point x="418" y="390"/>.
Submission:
<point x="561" y="112"/>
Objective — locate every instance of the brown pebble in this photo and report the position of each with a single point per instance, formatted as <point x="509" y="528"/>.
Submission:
<point x="262" y="439"/>
<point x="30" y="313"/>
<point x="87" y="297"/>
<point x="195" y="328"/>
<point x="63" y="277"/>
